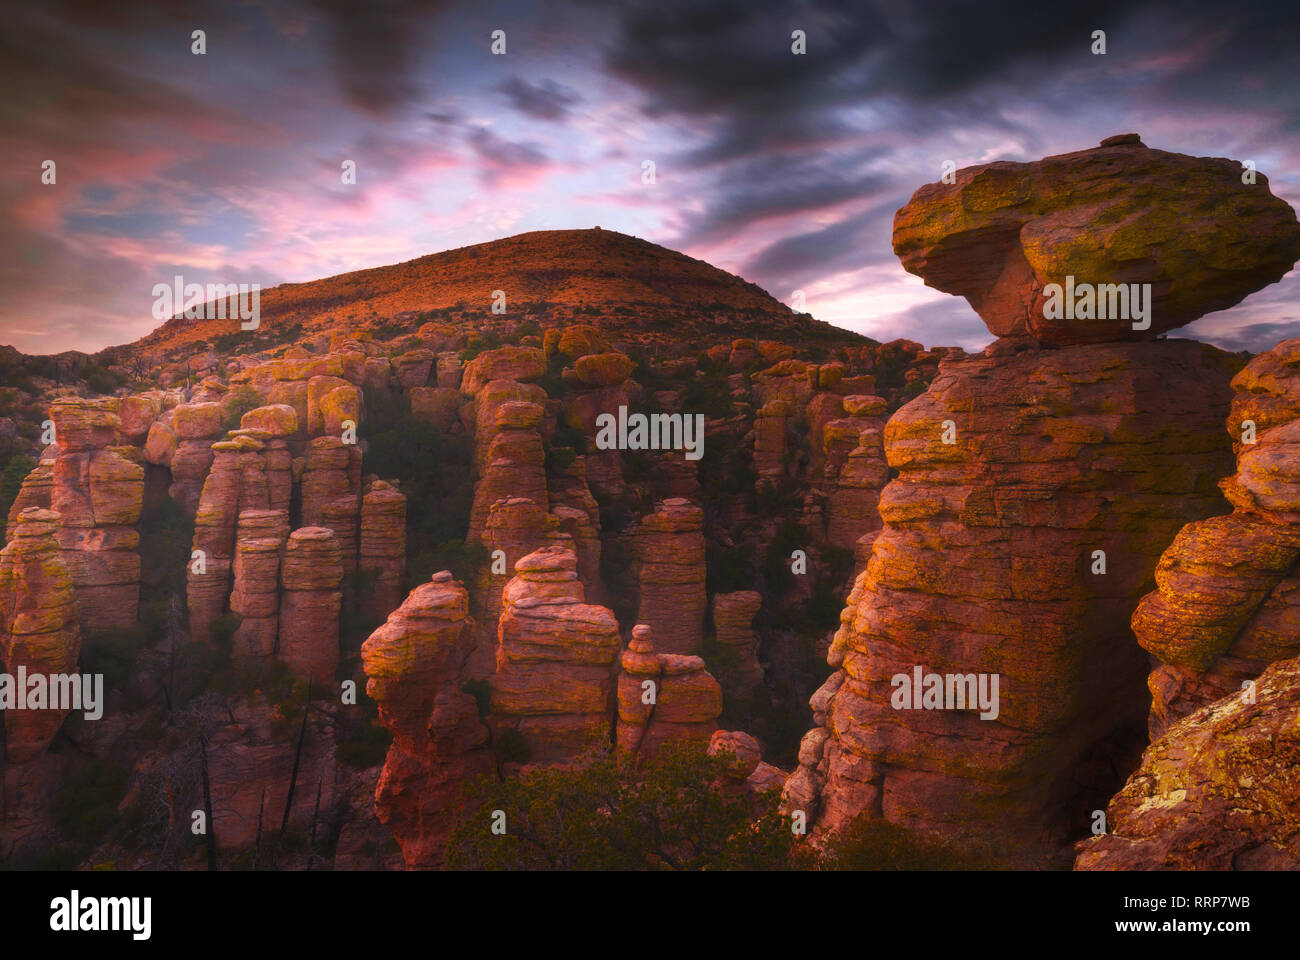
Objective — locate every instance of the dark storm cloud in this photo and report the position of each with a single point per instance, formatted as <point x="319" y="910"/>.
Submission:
<point x="948" y="323"/>
<point x="767" y="185"/>
<point x="799" y="259"/>
<point x="373" y="47"/>
<point x="1254" y="337"/>
<point x="546" y="100"/>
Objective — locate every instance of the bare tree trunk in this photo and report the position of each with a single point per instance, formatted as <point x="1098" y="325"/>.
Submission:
<point x="207" y="805"/>
<point x="257" y="844"/>
<point x="311" y="839"/>
<point x="297" y="758"/>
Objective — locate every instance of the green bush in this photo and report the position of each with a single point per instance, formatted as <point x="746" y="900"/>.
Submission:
<point x="85" y="806"/>
<point x="620" y="812"/>
<point x="870" y="843"/>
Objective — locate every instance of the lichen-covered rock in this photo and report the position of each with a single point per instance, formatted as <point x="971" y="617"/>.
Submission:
<point x="1227" y="597"/>
<point x="279" y="420"/>
<point x="1219" y="790"/>
<point x="985" y="565"/>
<point x="503" y="363"/>
<point x="412" y="368"/>
<point x="673" y="602"/>
<point x="603" y="369"/>
<point x="1117" y="214"/>
<point x="311" y="574"/>
<point x="554" y="678"/>
<point x="39" y="629"/>
<point x="415" y="663"/>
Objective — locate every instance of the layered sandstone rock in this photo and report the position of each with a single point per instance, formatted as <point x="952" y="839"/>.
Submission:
<point x="331" y="473"/>
<point x="39" y="630"/>
<point x="37" y="490"/>
<point x="746" y="769"/>
<point x="554" y="678"/>
<point x="416" y="668"/>
<point x="382" y="548"/>
<point x="673" y="602"/>
<point x="1115" y="214"/>
<point x="855" y="465"/>
<point x="663" y="697"/>
<point x="1036" y="491"/>
<point x="516" y="462"/>
<point x="515" y="527"/>
<point x="1227" y="598"/>
<point x="486" y="426"/>
<point x="196" y="426"/>
<point x="770" y="454"/>
<point x="1219" y="790"/>
<point x="311" y="574"/>
<point x="503" y="363"/>
<point x="259" y="548"/>
<point x="733" y="626"/>
<point x="235" y="483"/>
<point x="98" y="493"/>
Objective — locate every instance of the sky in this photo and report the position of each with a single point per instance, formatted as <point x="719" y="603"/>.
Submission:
<point x="784" y="169"/>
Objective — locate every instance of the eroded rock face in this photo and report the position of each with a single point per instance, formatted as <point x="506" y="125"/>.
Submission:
<point x="984" y="566"/>
<point x="1219" y="790"/>
<point x="98" y="492"/>
<point x="196" y="426"/>
<point x="673" y="602"/>
<point x="235" y="483"/>
<point x="515" y="527"/>
<point x="663" y="697"/>
<point x="503" y="363"/>
<point x="39" y="628"/>
<point x="855" y="464"/>
<point x="554" y="679"/>
<point x="515" y="465"/>
<point x="733" y="625"/>
<point x="415" y="663"/>
<point x="1115" y="214"/>
<point x="383" y="548"/>
<point x="259" y="549"/>
<point x="311" y="575"/>
<point x="1227" y="597"/>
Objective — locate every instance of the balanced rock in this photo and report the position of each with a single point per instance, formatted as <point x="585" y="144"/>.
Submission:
<point x="1118" y="214"/>
<point x="663" y="697"/>
<point x="554" y="679"/>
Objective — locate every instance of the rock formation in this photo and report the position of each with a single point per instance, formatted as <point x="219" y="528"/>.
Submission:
<point x="98" y="492"/>
<point x="1117" y="214"/>
<point x="382" y="548"/>
<point x="554" y="679"/>
<point x="1036" y="490"/>
<point x="311" y="575"/>
<point x="1219" y="790"/>
<point x="733" y="626"/>
<point x="663" y="697"/>
<point x="39" y="631"/>
<point x="670" y="546"/>
<point x="515" y="527"/>
<point x="515" y="465"/>
<point x="236" y="482"/>
<point x="195" y="426"/>
<point x="1227" y="601"/>
<point x="415" y="663"/>
<point x="259" y="549"/>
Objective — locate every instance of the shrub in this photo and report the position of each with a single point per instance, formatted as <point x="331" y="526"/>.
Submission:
<point x="85" y="806"/>
<point x="619" y="812"/>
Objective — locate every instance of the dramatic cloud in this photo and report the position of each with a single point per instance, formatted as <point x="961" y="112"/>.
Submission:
<point x="785" y="168"/>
